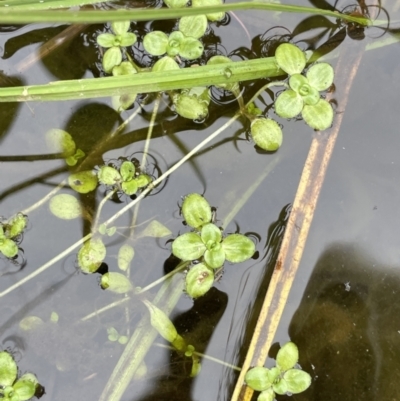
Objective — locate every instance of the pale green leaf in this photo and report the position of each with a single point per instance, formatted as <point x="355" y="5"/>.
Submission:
<point x="210" y="232"/>
<point x="143" y="180"/>
<point x="128" y="39"/>
<point x="111" y="58"/>
<point x="91" y="255"/>
<point x="320" y="76"/>
<point x="9" y="248"/>
<point x="318" y="116"/>
<point x="203" y="3"/>
<point x="188" y="246"/>
<point x="123" y="102"/>
<point x="196" y="210"/>
<point x="106" y="40"/>
<point x="238" y="248"/>
<point x="125" y="68"/>
<point x="120" y="27"/>
<point x="65" y="206"/>
<point x="191" y="48"/>
<point x="8" y="369"/>
<point x="190" y="107"/>
<point x="165" y="64"/>
<point x="24" y="389"/>
<point x="30" y="323"/>
<point x="287" y="356"/>
<point x="112" y="334"/>
<point x="54" y="317"/>
<point x="16" y="225"/>
<point x="127" y="170"/>
<point x="290" y="58"/>
<point x="156" y="43"/>
<point x="155" y="229"/>
<point x="125" y="256"/>
<point x="176" y="3"/>
<point x="280" y="387"/>
<point x="109" y="175"/>
<point x="129" y="187"/>
<point x="194" y="26"/>
<point x="266" y="395"/>
<point x="289" y="104"/>
<point x="311" y="97"/>
<point x="297" y="380"/>
<point x="59" y="141"/>
<point x="267" y="134"/>
<point x="215" y="257"/>
<point x="257" y="378"/>
<point x="115" y="282"/>
<point x="83" y="182"/>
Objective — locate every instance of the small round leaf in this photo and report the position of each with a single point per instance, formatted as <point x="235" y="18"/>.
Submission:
<point x="296" y="81"/>
<point x="65" y="206"/>
<point x="125" y="256"/>
<point x="16" y="225"/>
<point x="165" y="64"/>
<point x="215" y="258"/>
<point x="257" y="378"/>
<point x="109" y="175"/>
<point x="318" y="116"/>
<point x="115" y="282"/>
<point x="194" y="26"/>
<point x="312" y="97"/>
<point x="199" y="280"/>
<point x="106" y="40"/>
<point x="287" y="356"/>
<point x="266" y="395"/>
<point x="120" y="27"/>
<point x="290" y="58"/>
<point x="190" y="107"/>
<point x="280" y="387"/>
<point x="24" y="389"/>
<point x="156" y="43"/>
<point x="156" y="230"/>
<point x="59" y="141"/>
<point x="188" y="246"/>
<point x="210" y="232"/>
<point x="238" y="248"/>
<point x="111" y="58"/>
<point x="127" y="170"/>
<point x="83" y="182"/>
<point x="267" y="134"/>
<point x="196" y="210"/>
<point x="213" y="16"/>
<point x="129" y="187"/>
<point x="30" y="323"/>
<point x="320" y="76"/>
<point x="191" y="48"/>
<point x="8" y="248"/>
<point x="143" y="180"/>
<point x="125" y="68"/>
<point x="8" y="369"/>
<point x="176" y="3"/>
<point x="128" y="39"/>
<point x="91" y="255"/>
<point x="297" y="380"/>
<point x="289" y="104"/>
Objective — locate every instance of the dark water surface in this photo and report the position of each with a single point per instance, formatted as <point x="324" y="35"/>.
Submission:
<point x="343" y="310"/>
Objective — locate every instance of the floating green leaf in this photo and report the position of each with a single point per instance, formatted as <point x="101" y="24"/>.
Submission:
<point x="30" y="323"/>
<point x="191" y="48"/>
<point x="289" y="104"/>
<point x="112" y="334"/>
<point x="112" y="57"/>
<point x="8" y="369"/>
<point x="290" y="58"/>
<point x="91" y="255"/>
<point x="257" y="378"/>
<point x="320" y="76"/>
<point x="213" y="16"/>
<point x="125" y="256"/>
<point x="188" y="246"/>
<point x="155" y="229"/>
<point x="267" y="134"/>
<point x="54" y="317"/>
<point x="199" y="280"/>
<point x="196" y="210"/>
<point x="125" y="68"/>
<point x="83" y="182"/>
<point x="318" y="116"/>
<point x="129" y="187"/>
<point x="109" y="175"/>
<point x="194" y="25"/>
<point x="115" y="282"/>
<point x="266" y="395"/>
<point x="59" y="141"/>
<point x="190" y="107"/>
<point x="65" y="206"/>
<point x="297" y="381"/>
<point x="120" y="27"/>
<point x="156" y="43"/>
<point x="165" y="64"/>
<point x="176" y="3"/>
<point x="238" y="248"/>
<point x="8" y="248"/>
<point x="287" y="356"/>
<point x="127" y="170"/>
<point x="16" y="225"/>
<point x="280" y="387"/>
<point x="25" y="387"/>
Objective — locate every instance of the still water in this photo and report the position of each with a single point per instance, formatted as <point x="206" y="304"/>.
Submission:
<point x="342" y="311"/>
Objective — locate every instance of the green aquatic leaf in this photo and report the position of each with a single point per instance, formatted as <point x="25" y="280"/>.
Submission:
<point x="176" y="3"/>
<point x="128" y="39"/>
<point x="126" y="254"/>
<point x="120" y="27"/>
<point x="280" y="387"/>
<point x="188" y="246"/>
<point x="8" y="369"/>
<point x="191" y="48"/>
<point x="287" y="356"/>
<point x="290" y="58"/>
<point x="59" y="141"/>
<point x="297" y="380"/>
<point x="30" y="323"/>
<point x="111" y="58"/>
<point x="72" y="160"/>
<point x="257" y="378"/>
<point x="320" y="76"/>
<point x="194" y="25"/>
<point x="289" y="104"/>
<point x="318" y="116"/>
<point x="115" y="282"/>
<point x="190" y="107"/>
<point x="267" y="134"/>
<point x="199" y="280"/>
<point x="130" y="187"/>
<point x="156" y="43"/>
<point x="127" y="170"/>
<point x="215" y="257"/>
<point x="16" y="225"/>
<point x="25" y="387"/>
<point x="125" y="68"/>
<point x="196" y="210"/>
<point x="165" y="64"/>
<point x="266" y="395"/>
<point x="233" y="87"/>
<point x="65" y="206"/>
<point x="8" y="248"/>
<point x="54" y="317"/>
<point x="213" y="16"/>
<point x="112" y="334"/>
<point x="300" y="84"/>
<point x="109" y="175"/>
<point x="123" y="340"/>
<point x="123" y="102"/>
<point x="91" y="255"/>
<point x="211" y="233"/>
<point x="238" y="248"/>
<point x="143" y="180"/>
<point x="273" y="374"/>
<point x="83" y="182"/>
<point x="174" y="43"/>
<point x="106" y="40"/>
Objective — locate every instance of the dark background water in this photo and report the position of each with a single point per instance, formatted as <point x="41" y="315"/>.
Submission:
<point x="342" y="311"/>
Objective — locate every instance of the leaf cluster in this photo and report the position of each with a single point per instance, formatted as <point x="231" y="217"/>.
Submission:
<point x="13" y="388"/>
<point x="10" y="232"/>
<point x="284" y="378"/>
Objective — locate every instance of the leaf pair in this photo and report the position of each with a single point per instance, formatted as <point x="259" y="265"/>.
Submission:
<point x="9" y="231"/>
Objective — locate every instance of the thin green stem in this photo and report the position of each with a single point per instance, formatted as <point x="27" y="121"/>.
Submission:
<point x="100" y="207"/>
